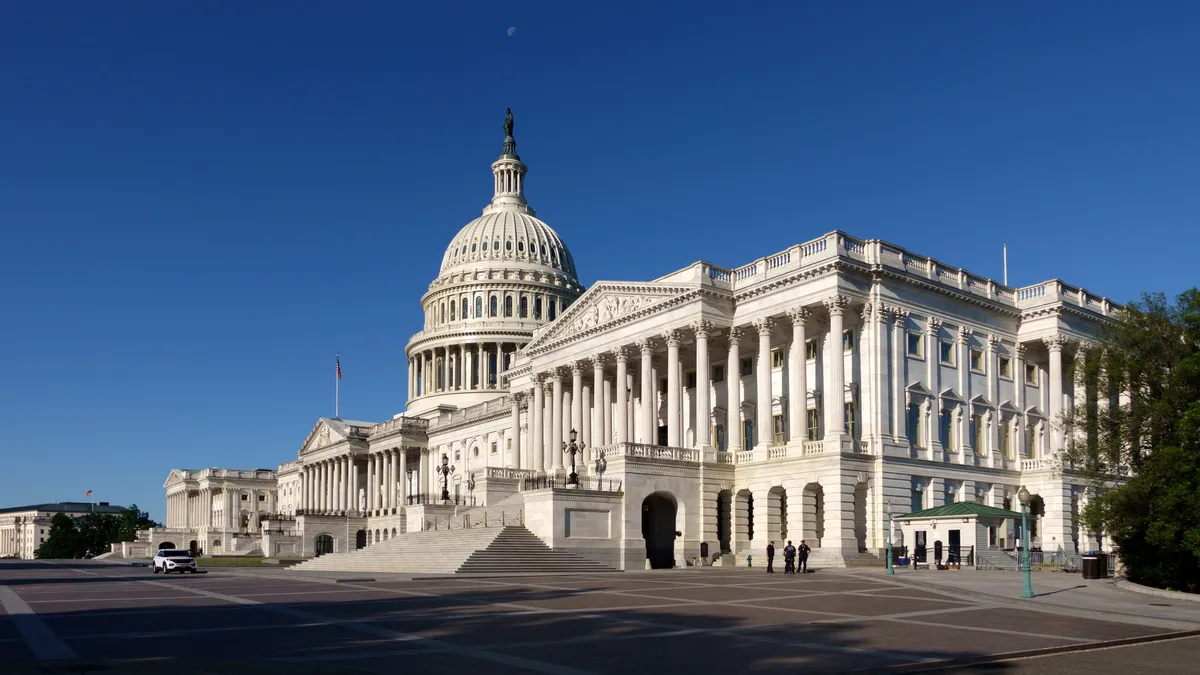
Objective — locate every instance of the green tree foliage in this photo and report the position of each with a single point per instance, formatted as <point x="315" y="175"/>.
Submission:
<point x="63" y="540"/>
<point x="1138" y="438"/>
<point x="133" y="520"/>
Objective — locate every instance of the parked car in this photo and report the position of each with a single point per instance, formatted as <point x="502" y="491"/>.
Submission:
<point x="174" y="560"/>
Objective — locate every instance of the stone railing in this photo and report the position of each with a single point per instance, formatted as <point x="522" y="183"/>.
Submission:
<point x="405" y="425"/>
<point x="862" y="447"/>
<point x="649" y="452"/>
<point x="493" y="407"/>
<point x="724" y="457"/>
<point x="743" y="457"/>
<point x="1040" y="464"/>
<point x="263" y="474"/>
<point x="470" y="521"/>
<point x="813" y="448"/>
<point x="505" y="472"/>
<point x="777" y="453"/>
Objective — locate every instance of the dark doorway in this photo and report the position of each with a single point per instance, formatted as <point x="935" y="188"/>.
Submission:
<point x="360" y="539"/>
<point x="662" y="435"/>
<point x="953" y="555"/>
<point x="324" y="544"/>
<point x="724" y="516"/>
<point x="166" y="545"/>
<point x="193" y="548"/>
<point x="919" y="547"/>
<point x="658" y="529"/>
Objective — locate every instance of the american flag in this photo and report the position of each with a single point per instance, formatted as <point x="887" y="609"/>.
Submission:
<point x="338" y="359"/>
<point x="88" y="493"/>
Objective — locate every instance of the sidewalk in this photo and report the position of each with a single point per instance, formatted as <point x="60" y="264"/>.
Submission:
<point x="1055" y="593"/>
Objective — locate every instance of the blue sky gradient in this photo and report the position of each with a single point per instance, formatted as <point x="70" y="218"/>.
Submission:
<point x="201" y="203"/>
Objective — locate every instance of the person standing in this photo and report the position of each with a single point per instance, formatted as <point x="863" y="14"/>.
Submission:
<point x="770" y="557"/>
<point x="789" y="558"/>
<point x="803" y="552"/>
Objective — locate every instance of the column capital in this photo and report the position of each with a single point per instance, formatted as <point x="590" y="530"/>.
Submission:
<point x="645" y="346"/>
<point x="622" y="354"/>
<point x="577" y="367"/>
<point x="836" y="305"/>
<point x="899" y="315"/>
<point x="964" y="334"/>
<point x="538" y="379"/>
<point x="993" y="342"/>
<point x="932" y="324"/>
<point x="764" y="325"/>
<point x="556" y="375"/>
<point x="517" y="397"/>
<point x="1019" y="350"/>
<point x="599" y="360"/>
<point x="1055" y="343"/>
<point x="735" y="335"/>
<point x="702" y="328"/>
<point x="672" y="337"/>
<point x="798" y="315"/>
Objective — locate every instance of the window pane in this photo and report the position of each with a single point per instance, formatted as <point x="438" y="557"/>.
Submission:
<point x="848" y="341"/>
<point x="810" y="350"/>
<point x="915" y="344"/>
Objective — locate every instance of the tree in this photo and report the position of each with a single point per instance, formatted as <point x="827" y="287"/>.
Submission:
<point x="96" y="532"/>
<point x="63" y="540"/>
<point x="133" y="520"/>
<point x="1137" y="438"/>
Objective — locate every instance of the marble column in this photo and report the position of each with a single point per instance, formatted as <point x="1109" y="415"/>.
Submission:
<point x="577" y="397"/>
<point x="964" y="390"/>
<point x="1055" y="346"/>
<point x="674" y="423"/>
<point x="798" y="377"/>
<point x="537" y="424"/>
<point x="393" y="477"/>
<point x="646" y="428"/>
<point x="599" y="405"/>
<point x="835" y="394"/>
<point x="733" y="380"/>
<point x="622" y="405"/>
<point x="1020" y="420"/>
<point x="423" y="473"/>
<point x="402" y="477"/>
<point x="585" y="433"/>
<point x="607" y="412"/>
<point x="514" y="430"/>
<point x="992" y="434"/>
<point x="703" y="435"/>
<point x="766" y="430"/>
<point x="933" y="359"/>
<point x="556" y="421"/>
<point x="899" y="368"/>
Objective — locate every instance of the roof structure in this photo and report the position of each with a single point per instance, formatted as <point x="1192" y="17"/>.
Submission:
<point x="66" y="507"/>
<point x="960" y="509"/>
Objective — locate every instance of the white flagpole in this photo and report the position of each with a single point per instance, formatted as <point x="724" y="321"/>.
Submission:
<point x="1006" y="264"/>
<point x="336" y="384"/>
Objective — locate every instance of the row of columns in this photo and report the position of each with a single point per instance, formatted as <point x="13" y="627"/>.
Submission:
<point x="333" y="484"/>
<point x="198" y="508"/>
<point x="466" y="367"/>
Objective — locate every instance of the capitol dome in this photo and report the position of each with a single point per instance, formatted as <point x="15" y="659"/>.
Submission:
<point x="503" y="276"/>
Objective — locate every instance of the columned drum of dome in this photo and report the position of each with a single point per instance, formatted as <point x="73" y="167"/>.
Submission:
<point x="504" y="275"/>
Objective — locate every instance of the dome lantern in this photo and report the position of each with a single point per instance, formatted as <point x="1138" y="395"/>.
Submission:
<point x="509" y="173"/>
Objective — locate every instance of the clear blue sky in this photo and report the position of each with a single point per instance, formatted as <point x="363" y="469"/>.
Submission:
<point x="202" y="202"/>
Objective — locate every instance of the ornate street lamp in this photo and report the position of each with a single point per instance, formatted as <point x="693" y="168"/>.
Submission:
<point x="471" y="487"/>
<point x="1024" y="497"/>
<point x="889" y="540"/>
<point x="574" y="449"/>
<point x="445" y="469"/>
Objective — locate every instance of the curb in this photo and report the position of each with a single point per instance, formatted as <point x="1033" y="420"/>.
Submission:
<point x="1127" y="585"/>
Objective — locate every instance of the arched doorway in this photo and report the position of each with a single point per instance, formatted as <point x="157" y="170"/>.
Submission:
<point x="193" y="548"/>
<point x="360" y="539"/>
<point x="658" y="529"/>
<point x="777" y="514"/>
<point x="724" y="518"/>
<point x="323" y="544"/>
<point x="813" y="527"/>
<point x="166" y="545"/>
<point x="860" y="516"/>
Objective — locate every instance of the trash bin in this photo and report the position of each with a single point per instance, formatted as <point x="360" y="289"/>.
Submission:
<point x="1090" y="566"/>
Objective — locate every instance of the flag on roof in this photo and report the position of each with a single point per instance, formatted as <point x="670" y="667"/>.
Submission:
<point x="88" y="493"/>
<point x="338" y="358"/>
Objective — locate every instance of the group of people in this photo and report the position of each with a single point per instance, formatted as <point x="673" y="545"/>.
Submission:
<point x="794" y="558"/>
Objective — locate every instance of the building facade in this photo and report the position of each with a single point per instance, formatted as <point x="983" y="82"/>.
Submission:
<point x="801" y="396"/>
<point x="24" y="528"/>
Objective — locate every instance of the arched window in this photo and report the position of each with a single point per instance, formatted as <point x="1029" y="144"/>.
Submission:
<point x="479" y="307"/>
<point x="466" y="307"/>
<point x="524" y="307"/>
<point x="550" y="313"/>
<point x="508" y="305"/>
<point x="544" y="250"/>
<point x="493" y="306"/>
<point x="520" y="247"/>
<point x="537" y="308"/>
<point x="442" y="314"/>
<point x="508" y="245"/>
<point x="452" y="306"/>
<point x="496" y="245"/>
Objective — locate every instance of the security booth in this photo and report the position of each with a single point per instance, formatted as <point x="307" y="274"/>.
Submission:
<point x="953" y="535"/>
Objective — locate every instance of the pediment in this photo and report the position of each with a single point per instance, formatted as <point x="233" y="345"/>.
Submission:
<point x="1007" y="406"/>
<point x="603" y="306"/>
<point x="981" y="400"/>
<point x="949" y="394"/>
<point x="176" y="476"/>
<point x="919" y="389"/>
<point x="322" y="434"/>
<point x="1033" y="411"/>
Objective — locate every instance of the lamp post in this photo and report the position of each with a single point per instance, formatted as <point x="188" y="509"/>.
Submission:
<point x="445" y="470"/>
<point x="1024" y="497"/>
<point x="890" y="570"/>
<point x="574" y="449"/>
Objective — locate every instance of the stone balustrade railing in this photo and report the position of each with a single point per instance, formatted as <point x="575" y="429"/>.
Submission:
<point x="402" y="424"/>
<point x="1036" y="464"/>
<point x="649" y="452"/>
<point x="504" y="472"/>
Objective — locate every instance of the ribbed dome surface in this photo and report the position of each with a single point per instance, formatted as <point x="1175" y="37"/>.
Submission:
<point x="508" y="235"/>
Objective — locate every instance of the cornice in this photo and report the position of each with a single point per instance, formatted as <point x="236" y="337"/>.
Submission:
<point x="671" y="296"/>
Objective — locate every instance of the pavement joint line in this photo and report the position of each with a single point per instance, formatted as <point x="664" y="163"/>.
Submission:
<point x="152" y="597"/>
<point x="41" y="641"/>
<point x="986" y="629"/>
<point x="393" y="636"/>
<point x="87" y="572"/>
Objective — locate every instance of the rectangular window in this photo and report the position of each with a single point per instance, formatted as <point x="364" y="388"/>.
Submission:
<point x="718" y="373"/>
<point x="262" y="498"/>
<point x="946" y="432"/>
<point x="951" y="492"/>
<point x="1031" y="374"/>
<point x="916" y="426"/>
<point x="779" y="437"/>
<point x="508" y="444"/>
<point x="918" y="501"/>
<point x="662" y="385"/>
<point x="810" y="350"/>
<point x="776" y="359"/>
<point x="718" y="437"/>
<point x="978" y="434"/>
<point x="1006" y="367"/>
<point x="747" y="366"/>
<point x="1030" y="440"/>
<point x="977" y="362"/>
<point x="245" y="498"/>
<point x="689" y="380"/>
<point x="947" y="353"/>
<point x="1005" y="442"/>
<point x="850" y="419"/>
<point x="916" y="345"/>
<point x="847" y="341"/>
<point x="814" y="424"/>
<point x="747" y="434"/>
<point x="493" y="447"/>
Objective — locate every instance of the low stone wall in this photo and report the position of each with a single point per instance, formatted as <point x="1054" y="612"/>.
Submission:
<point x="584" y="522"/>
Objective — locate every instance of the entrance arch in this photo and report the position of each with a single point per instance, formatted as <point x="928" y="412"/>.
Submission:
<point x="813" y="527"/>
<point x="360" y="539"/>
<point x="860" y="516"/>
<point x="658" y="529"/>
<point x="323" y="544"/>
<point x="724" y="519"/>
<point x="193" y="548"/>
<point x="166" y="545"/>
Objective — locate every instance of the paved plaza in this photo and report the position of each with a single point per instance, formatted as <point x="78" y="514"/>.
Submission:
<point x="119" y="619"/>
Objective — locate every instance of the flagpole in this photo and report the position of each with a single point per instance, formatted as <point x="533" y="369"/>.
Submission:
<point x="336" y="387"/>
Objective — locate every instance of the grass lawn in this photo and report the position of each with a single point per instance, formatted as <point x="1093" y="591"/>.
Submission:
<point x="243" y="561"/>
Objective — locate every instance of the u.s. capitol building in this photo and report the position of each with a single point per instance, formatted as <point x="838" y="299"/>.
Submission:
<point x="801" y="396"/>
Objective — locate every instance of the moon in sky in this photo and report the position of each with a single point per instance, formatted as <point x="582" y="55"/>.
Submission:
<point x="511" y="30"/>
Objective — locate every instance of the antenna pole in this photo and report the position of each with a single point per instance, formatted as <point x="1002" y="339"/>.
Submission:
<point x="1006" y="264"/>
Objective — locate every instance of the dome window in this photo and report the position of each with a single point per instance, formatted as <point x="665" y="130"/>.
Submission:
<point x="465" y="308"/>
<point x="493" y="306"/>
<point x="524" y="305"/>
<point x="464" y="249"/>
<point x="473" y="248"/>
<point x="479" y="307"/>
<point x="537" y="308"/>
<point x="550" y="313"/>
<point x="453" y="305"/>
<point x="544" y="250"/>
<point x="508" y="306"/>
<point x="496" y="245"/>
<point x="520" y="247"/>
<point x="508" y="245"/>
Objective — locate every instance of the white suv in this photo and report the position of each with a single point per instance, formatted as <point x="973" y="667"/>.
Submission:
<point x="174" y="560"/>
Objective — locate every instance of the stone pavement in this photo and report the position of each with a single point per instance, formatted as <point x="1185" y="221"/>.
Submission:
<point x="77" y="616"/>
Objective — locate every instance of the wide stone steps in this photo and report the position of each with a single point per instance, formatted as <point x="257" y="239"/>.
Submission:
<point x="492" y="550"/>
